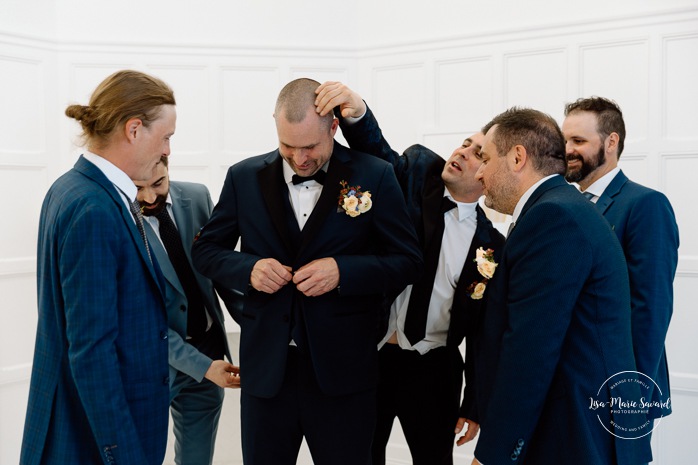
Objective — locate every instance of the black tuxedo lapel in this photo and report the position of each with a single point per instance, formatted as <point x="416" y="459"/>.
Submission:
<point x="338" y="170"/>
<point x="465" y="311"/>
<point x="433" y="224"/>
<point x="275" y="193"/>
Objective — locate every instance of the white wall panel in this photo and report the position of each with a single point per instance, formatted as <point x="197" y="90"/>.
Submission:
<point x="680" y="73"/>
<point x="536" y="79"/>
<point x="399" y="102"/>
<point x="635" y="166"/>
<point x="17" y="321"/>
<point x="320" y="74"/>
<point x="682" y="343"/>
<point x="620" y="71"/>
<point x="464" y="90"/>
<point x="247" y="100"/>
<point x="679" y="185"/>
<point x="191" y="84"/>
<point x="23" y="114"/>
<point x="13" y="405"/>
<point x="22" y="191"/>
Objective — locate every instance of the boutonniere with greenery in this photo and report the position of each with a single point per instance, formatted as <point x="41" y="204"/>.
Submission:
<point x="486" y="266"/>
<point x="353" y="201"/>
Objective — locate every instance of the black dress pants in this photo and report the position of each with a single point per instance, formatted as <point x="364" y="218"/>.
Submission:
<point x="423" y="392"/>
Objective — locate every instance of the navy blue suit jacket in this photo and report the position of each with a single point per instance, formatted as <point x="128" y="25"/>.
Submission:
<point x="557" y="327"/>
<point x="376" y="253"/>
<point x="99" y="388"/>
<point x="645" y="224"/>
<point x="418" y="171"/>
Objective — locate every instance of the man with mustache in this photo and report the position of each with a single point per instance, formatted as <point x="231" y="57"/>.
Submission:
<point x="428" y="321"/>
<point x="174" y="212"/>
<point x="643" y="221"/>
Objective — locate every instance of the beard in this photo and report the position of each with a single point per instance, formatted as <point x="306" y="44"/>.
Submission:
<point x="587" y="167"/>
<point x="153" y="209"/>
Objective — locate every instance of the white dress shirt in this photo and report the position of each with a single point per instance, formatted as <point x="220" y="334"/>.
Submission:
<point x="303" y="196"/>
<point x="598" y="188"/>
<point x="124" y="185"/>
<point x="459" y="228"/>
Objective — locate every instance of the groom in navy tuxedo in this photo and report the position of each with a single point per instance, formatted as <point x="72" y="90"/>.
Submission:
<point x="557" y="324"/>
<point x="324" y="235"/>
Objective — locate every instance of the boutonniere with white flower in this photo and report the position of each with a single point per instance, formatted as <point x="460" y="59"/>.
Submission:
<point x="353" y="201"/>
<point x="486" y="266"/>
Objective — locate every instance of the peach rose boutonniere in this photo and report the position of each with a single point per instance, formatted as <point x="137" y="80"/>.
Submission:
<point x="353" y="201"/>
<point x="486" y="266"/>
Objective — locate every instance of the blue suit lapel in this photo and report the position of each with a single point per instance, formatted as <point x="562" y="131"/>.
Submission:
<point x="613" y="189"/>
<point x="91" y="171"/>
<point x="551" y="183"/>
<point x="163" y="259"/>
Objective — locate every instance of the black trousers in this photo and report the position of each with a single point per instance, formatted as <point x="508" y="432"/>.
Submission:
<point x="423" y="392"/>
<point x="338" y="429"/>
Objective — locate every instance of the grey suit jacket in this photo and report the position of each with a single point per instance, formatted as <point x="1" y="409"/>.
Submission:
<point x="191" y="207"/>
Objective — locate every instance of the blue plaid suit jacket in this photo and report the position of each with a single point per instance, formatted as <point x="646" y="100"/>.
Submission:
<point x="99" y="385"/>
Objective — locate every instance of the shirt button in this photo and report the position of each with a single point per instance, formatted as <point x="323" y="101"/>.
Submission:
<point x="163" y="335"/>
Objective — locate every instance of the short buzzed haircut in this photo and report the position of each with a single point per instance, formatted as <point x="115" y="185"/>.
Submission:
<point x="534" y="130"/>
<point x="296" y="98"/>
<point x="609" y="118"/>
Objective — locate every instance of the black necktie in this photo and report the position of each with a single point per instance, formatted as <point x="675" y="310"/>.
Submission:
<point x="196" y="316"/>
<point x="418" y="307"/>
<point x="318" y="176"/>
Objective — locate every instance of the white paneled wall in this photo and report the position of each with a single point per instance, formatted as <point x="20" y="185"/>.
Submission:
<point x="436" y="92"/>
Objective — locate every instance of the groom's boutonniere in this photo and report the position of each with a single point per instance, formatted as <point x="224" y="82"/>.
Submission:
<point x="353" y="201"/>
<point x="486" y="266"/>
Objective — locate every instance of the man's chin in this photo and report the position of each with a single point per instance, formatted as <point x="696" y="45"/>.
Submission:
<point x="154" y="210"/>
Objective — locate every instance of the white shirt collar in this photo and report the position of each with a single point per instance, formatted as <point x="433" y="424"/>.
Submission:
<point x="527" y="195"/>
<point x="465" y="209"/>
<point x="602" y="183"/>
<point x="113" y="174"/>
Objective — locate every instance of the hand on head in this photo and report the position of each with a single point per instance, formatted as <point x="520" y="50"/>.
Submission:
<point x="333" y="94"/>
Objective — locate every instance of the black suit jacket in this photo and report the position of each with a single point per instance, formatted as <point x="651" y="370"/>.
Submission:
<point x="418" y="171"/>
<point x="376" y="253"/>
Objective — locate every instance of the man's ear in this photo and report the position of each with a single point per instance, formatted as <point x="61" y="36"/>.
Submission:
<point x="519" y="159"/>
<point x="132" y="129"/>
<point x="611" y="143"/>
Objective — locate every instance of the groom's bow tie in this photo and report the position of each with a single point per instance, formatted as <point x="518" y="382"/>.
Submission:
<point x="318" y="176"/>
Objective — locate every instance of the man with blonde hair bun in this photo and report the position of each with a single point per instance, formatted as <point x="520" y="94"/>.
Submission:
<point x="99" y="387"/>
